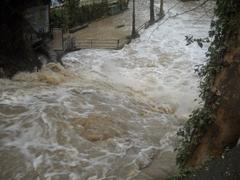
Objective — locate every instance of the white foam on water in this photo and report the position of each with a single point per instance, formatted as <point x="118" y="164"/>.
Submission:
<point x="108" y="113"/>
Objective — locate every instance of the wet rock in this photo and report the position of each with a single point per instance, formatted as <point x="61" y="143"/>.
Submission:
<point x="52" y="73"/>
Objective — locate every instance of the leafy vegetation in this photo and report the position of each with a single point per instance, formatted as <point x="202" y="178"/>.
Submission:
<point x="71" y="14"/>
<point x="200" y="120"/>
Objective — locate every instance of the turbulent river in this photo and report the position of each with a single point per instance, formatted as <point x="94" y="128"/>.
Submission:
<point x="107" y="114"/>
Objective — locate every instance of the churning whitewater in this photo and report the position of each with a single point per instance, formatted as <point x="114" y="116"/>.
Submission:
<point x="109" y="114"/>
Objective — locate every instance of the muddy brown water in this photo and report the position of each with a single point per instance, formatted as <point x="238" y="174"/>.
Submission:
<point x="107" y="114"/>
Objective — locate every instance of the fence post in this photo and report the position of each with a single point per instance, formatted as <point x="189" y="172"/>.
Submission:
<point x="118" y="43"/>
<point x="91" y="43"/>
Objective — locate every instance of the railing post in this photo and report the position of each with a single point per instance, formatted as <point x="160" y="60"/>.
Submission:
<point x="118" y="43"/>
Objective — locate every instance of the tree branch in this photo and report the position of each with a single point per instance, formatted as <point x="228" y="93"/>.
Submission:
<point x="179" y="14"/>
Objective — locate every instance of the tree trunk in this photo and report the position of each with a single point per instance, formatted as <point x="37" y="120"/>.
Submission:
<point x="134" y="33"/>
<point x="161" y="8"/>
<point x="152" y="18"/>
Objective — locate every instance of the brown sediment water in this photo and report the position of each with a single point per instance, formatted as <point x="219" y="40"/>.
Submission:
<point x="107" y="114"/>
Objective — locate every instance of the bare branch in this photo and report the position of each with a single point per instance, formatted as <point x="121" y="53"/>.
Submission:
<point x="176" y="15"/>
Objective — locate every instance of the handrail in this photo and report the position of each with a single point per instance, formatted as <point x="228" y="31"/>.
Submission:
<point x="146" y="24"/>
<point x="142" y="26"/>
<point x="99" y="43"/>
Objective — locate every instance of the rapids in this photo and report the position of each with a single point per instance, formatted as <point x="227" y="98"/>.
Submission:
<point x="109" y="114"/>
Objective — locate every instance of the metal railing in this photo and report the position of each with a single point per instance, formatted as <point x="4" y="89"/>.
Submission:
<point x="75" y="43"/>
<point x="146" y="24"/>
<point x="91" y="2"/>
<point x="99" y="43"/>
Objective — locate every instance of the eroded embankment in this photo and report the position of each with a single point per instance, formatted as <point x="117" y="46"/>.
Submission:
<point x="215" y="127"/>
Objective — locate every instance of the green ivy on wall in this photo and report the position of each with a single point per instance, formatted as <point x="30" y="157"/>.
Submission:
<point x="224" y="27"/>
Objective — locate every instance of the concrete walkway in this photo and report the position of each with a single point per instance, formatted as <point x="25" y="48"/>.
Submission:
<point x="117" y="26"/>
